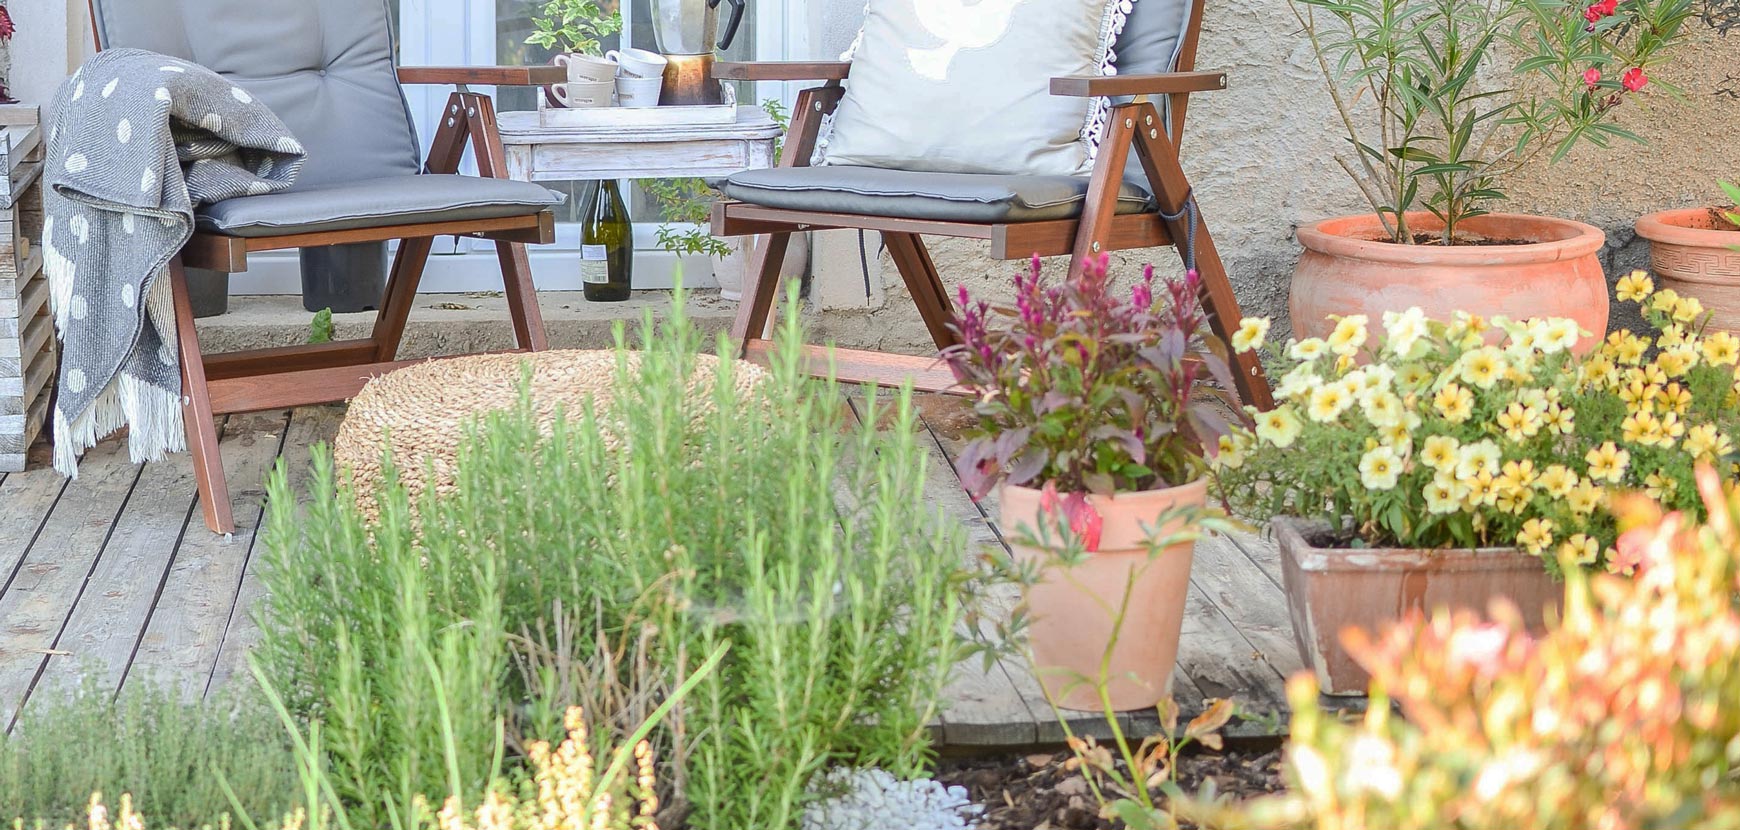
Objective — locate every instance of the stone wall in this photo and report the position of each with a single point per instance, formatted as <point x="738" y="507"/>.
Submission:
<point x="1261" y="157"/>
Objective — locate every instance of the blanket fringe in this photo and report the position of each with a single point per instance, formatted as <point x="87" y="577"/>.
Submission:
<point x="152" y="415"/>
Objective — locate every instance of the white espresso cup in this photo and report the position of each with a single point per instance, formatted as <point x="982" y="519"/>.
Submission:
<point x="583" y="68"/>
<point x="637" y="63"/>
<point x="639" y="92"/>
<point x="583" y="94"/>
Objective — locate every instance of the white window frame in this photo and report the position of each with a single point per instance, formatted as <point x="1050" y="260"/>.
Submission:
<point x="462" y="32"/>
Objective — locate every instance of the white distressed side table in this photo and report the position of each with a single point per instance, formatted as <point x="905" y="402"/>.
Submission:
<point x="539" y="153"/>
<point x="27" y="343"/>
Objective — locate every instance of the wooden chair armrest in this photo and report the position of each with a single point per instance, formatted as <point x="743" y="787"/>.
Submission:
<point x="782" y="70"/>
<point x="1114" y="86"/>
<point x="483" y="75"/>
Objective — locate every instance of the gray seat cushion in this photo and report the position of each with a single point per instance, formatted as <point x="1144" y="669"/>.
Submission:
<point x="944" y="197"/>
<point x="373" y="203"/>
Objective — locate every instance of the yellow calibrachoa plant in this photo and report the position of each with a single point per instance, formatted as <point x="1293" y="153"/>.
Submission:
<point x="1473" y="433"/>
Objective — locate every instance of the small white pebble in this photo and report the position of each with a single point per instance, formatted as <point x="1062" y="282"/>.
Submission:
<point x="873" y="799"/>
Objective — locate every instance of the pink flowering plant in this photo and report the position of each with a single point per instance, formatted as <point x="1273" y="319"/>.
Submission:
<point x="1433" y="124"/>
<point x="1086" y="388"/>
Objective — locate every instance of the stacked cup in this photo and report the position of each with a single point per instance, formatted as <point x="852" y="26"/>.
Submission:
<point x="591" y="81"/>
<point x="640" y="76"/>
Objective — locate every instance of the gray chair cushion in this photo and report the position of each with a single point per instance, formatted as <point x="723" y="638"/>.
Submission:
<point x="324" y="66"/>
<point x="1153" y="33"/>
<point x="374" y="203"/>
<point x="944" y="197"/>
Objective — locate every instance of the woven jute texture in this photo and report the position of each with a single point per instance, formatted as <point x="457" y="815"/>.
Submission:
<point x="423" y="411"/>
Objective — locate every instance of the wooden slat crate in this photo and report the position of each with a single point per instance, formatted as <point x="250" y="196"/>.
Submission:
<point x="27" y="343"/>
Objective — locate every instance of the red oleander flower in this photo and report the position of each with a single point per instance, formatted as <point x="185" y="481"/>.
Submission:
<point x="1592" y="76"/>
<point x="1633" y="79"/>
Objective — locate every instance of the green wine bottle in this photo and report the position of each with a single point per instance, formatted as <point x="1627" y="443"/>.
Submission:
<point x="606" y="246"/>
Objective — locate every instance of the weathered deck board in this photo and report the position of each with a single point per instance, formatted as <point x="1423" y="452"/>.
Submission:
<point x="118" y="569"/>
<point x="180" y="647"/>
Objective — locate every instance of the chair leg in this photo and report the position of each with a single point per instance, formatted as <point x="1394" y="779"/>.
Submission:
<point x="522" y="296"/>
<point x="395" y="311"/>
<point x="756" y="307"/>
<point x="196" y="415"/>
<point x="925" y="285"/>
<point x="1159" y="157"/>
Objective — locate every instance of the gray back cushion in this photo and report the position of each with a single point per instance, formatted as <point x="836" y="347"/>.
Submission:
<point x="324" y="66"/>
<point x="1153" y="31"/>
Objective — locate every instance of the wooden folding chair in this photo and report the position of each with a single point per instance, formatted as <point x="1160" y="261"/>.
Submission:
<point x="326" y="67"/>
<point x="1097" y="227"/>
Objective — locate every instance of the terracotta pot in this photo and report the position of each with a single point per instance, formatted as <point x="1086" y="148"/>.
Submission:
<point x="1693" y="251"/>
<point x="1069" y="627"/>
<point x="1346" y="269"/>
<point x="1332" y="589"/>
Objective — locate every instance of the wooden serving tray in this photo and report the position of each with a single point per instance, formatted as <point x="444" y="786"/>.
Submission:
<point x="609" y="118"/>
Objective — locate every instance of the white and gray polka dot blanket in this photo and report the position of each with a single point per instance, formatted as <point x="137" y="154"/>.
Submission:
<point x="138" y="141"/>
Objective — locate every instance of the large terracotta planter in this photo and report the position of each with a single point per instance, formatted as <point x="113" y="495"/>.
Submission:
<point x="1347" y="269"/>
<point x="1693" y="252"/>
<point x="1332" y="589"/>
<point x="1070" y="608"/>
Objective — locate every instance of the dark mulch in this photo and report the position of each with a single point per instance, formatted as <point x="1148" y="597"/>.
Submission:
<point x="1035" y="792"/>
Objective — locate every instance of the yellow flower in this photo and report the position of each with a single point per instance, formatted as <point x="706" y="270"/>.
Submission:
<point x="1404" y="331"/>
<point x="1581" y="548"/>
<point x="1250" y="335"/>
<point x="1600" y="372"/>
<point x="1665" y="300"/>
<point x="1482" y="489"/>
<point x="1705" y="443"/>
<point x="1644" y="428"/>
<point x="1556" y="481"/>
<point x="1536" y="535"/>
<point x="1444" y="495"/>
<point x="1328" y="402"/>
<point x="1634" y="287"/>
<point x="1231" y="452"/>
<point x="1349" y="335"/>
<point x="1639" y="396"/>
<point x="1279" y="426"/>
<point x="1298" y="382"/>
<point x="1627" y="348"/>
<point x="1674" y="398"/>
<point x="1607" y="462"/>
<point x="1677" y="361"/>
<point x="1722" y="349"/>
<point x="1379" y="468"/>
<point x="1518" y="475"/>
<point x="1383" y="409"/>
<point x="1479" y="457"/>
<point x="1556" y="334"/>
<point x="1561" y="420"/>
<point x="1584" y="498"/>
<point x="1651" y="374"/>
<point x="1672" y="334"/>
<point x="1413" y="376"/>
<point x="1398" y="436"/>
<point x="1439" y="453"/>
<point x="1454" y="402"/>
<point x="1310" y="348"/>
<point x="1687" y="309"/>
<point x="1660" y="487"/>
<point x="1519" y="423"/>
<point x="1482" y="367"/>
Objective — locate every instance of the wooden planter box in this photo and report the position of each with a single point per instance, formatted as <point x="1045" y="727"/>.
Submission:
<point x="1331" y="589"/>
<point x="27" y="344"/>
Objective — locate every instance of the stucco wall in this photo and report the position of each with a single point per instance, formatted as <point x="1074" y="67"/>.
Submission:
<point x="1261" y="158"/>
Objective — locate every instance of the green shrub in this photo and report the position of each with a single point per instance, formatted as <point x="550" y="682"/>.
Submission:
<point x="761" y="520"/>
<point x="149" y="743"/>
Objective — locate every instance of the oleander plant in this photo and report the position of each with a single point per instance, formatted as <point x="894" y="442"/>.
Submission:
<point x="1475" y="433"/>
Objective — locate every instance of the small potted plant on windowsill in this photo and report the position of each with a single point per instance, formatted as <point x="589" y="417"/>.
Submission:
<point x="1432" y="133"/>
<point x="1450" y="464"/>
<point x="1696" y="252"/>
<point x="1092" y="420"/>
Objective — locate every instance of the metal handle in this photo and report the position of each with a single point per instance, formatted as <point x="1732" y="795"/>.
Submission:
<point x="737" y="7"/>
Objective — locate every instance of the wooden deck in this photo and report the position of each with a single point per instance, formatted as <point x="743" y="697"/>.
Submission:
<point x="113" y="577"/>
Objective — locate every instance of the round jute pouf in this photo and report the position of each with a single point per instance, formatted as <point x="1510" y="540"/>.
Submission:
<point x="422" y="411"/>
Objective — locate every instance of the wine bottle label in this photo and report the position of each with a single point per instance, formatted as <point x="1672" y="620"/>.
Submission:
<point x="594" y="264"/>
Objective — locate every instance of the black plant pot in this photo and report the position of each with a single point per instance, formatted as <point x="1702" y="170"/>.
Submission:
<point x="344" y="278"/>
<point x="208" y="292"/>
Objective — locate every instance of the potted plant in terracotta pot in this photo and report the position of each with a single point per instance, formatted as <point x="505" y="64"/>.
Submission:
<point x="1427" y="464"/>
<point x="1092" y="421"/>
<point x="1432" y="131"/>
<point x="1696" y="252"/>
